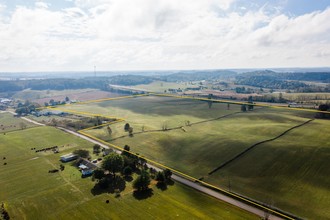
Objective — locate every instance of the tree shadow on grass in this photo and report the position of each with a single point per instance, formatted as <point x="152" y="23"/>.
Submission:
<point x="162" y="186"/>
<point x="109" y="184"/>
<point x="170" y="182"/>
<point x="140" y="195"/>
<point x="128" y="178"/>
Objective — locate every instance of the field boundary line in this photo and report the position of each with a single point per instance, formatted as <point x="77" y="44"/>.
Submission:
<point x="16" y="130"/>
<point x="186" y="176"/>
<point x="240" y="103"/>
<point x="94" y="101"/>
<point x="245" y="200"/>
<point x="173" y="128"/>
<point x="256" y="144"/>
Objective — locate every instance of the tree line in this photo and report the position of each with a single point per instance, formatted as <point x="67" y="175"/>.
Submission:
<point x="82" y="83"/>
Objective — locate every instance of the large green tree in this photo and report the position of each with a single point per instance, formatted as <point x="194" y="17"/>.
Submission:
<point x="114" y="163"/>
<point x="142" y="182"/>
<point x="81" y="153"/>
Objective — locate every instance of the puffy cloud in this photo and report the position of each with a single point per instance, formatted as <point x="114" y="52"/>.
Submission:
<point x="159" y="34"/>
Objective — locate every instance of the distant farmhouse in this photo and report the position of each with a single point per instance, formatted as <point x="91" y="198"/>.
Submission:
<point x="4" y="103"/>
<point x="174" y="90"/>
<point x="87" y="168"/>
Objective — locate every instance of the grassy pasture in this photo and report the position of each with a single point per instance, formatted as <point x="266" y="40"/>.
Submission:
<point x="153" y="112"/>
<point x="291" y="173"/>
<point x="29" y="94"/>
<point x="10" y="123"/>
<point x="160" y="86"/>
<point x="199" y="148"/>
<point x="304" y="97"/>
<point x="42" y="96"/>
<point x="30" y="192"/>
<point x="280" y="172"/>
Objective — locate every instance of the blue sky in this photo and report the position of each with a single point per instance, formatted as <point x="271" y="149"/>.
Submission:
<point x="163" y="34"/>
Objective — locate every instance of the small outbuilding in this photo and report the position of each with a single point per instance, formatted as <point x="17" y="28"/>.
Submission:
<point x="68" y="157"/>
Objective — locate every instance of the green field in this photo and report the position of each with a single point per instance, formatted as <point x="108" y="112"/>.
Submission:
<point x="291" y="173"/>
<point x="304" y="97"/>
<point x="30" y="192"/>
<point x="198" y="149"/>
<point x="160" y="86"/>
<point x="10" y="123"/>
<point x="153" y="112"/>
<point x="29" y="94"/>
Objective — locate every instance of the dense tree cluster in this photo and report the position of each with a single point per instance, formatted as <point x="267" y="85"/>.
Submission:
<point x="25" y="108"/>
<point x="80" y="124"/>
<point x="113" y="163"/>
<point x="198" y="75"/>
<point x="82" y="153"/>
<point x="324" y="108"/>
<point x="142" y="182"/>
<point x="81" y="83"/>
<point x="289" y="81"/>
<point x="269" y="82"/>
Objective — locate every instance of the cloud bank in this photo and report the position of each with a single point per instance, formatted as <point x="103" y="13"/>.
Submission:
<point x="159" y="34"/>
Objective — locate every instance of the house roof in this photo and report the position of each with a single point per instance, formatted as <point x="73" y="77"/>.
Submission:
<point x="82" y="166"/>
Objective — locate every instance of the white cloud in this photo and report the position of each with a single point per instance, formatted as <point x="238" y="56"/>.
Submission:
<point x="40" y="4"/>
<point x="159" y="34"/>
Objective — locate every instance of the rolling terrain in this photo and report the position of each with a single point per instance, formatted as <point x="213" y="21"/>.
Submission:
<point x="216" y="135"/>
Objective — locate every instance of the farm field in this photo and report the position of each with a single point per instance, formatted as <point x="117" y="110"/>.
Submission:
<point x="160" y="86"/>
<point x="30" y="192"/>
<point x="291" y="173"/>
<point x="304" y="97"/>
<point x="153" y="112"/>
<point x="42" y="96"/>
<point x="10" y="123"/>
<point x="200" y="148"/>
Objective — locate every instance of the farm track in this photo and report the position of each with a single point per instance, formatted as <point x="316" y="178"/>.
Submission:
<point x="256" y="144"/>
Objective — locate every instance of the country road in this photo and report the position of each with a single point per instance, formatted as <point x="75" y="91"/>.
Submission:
<point x="203" y="189"/>
<point x="192" y="184"/>
<point x="24" y="118"/>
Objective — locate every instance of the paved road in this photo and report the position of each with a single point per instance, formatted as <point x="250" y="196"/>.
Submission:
<point x="177" y="178"/>
<point x="32" y="121"/>
<point x="24" y="118"/>
<point x="192" y="184"/>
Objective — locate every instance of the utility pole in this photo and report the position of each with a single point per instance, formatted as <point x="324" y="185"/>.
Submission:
<point x="94" y="71"/>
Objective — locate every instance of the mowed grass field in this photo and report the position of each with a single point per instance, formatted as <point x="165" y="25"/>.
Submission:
<point x="10" y="123"/>
<point x="153" y="112"/>
<point x="160" y="86"/>
<point x="30" y="192"/>
<point x="42" y="96"/>
<point x="196" y="150"/>
<point x="291" y="173"/>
